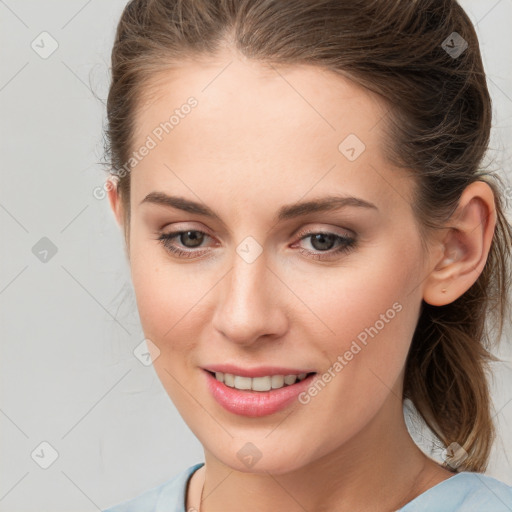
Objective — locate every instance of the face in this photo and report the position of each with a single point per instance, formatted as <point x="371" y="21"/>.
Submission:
<point x="332" y="291"/>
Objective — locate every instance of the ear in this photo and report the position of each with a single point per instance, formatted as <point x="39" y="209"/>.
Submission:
<point x="464" y="247"/>
<point x="115" y="200"/>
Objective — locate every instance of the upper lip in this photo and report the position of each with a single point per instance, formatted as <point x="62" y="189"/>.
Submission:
<point x="257" y="371"/>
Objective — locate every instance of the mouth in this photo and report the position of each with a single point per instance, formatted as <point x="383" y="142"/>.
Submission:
<point x="256" y="396"/>
<point x="258" y="384"/>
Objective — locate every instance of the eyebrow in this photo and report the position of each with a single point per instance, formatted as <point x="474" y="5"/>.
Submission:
<point x="286" y="212"/>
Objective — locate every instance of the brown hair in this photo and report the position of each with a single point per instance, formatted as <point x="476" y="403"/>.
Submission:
<point x="439" y="125"/>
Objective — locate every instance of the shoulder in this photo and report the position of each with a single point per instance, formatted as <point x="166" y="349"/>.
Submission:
<point x="464" y="492"/>
<point x="167" y="496"/>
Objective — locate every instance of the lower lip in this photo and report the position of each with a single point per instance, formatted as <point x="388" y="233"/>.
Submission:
<point x="255" y="403"/>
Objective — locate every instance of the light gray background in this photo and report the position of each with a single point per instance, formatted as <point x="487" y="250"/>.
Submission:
<point x="69" y="325"/>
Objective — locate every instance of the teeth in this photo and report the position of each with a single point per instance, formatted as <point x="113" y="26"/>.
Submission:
<point x="229" y="380"/>
<point x="277" y="381"/>
<point x="261" y="383"/>
<point x="258" y="383"/>
<point x="290" y="379"/>
<point x="242" y="382"/>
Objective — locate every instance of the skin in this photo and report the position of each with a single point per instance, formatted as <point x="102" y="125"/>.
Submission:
<point x="261" y="138"/>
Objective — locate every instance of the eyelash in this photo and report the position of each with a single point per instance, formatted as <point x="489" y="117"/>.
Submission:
<point x="347" y="244"/>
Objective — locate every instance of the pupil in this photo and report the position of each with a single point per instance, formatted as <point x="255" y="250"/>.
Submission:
<point x="321" y="238"/>
<point x="196" y="238"/>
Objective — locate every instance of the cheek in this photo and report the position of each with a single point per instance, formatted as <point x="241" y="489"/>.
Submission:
<point x="371" y="315"/>
<point x="170" y="310"/>
<point x="167" y="295"/>
<point x="375" y="289"/>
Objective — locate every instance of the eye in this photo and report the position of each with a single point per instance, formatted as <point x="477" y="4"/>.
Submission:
<point x="321" y="241"/>
<point x="190" y="238"/>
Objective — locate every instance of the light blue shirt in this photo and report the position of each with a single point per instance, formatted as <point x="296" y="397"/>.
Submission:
<point x="463" y="492"/>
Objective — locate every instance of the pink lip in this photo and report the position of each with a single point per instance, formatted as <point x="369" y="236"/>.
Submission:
<point x="259" y="371"/>
<point x="256" y="403"/>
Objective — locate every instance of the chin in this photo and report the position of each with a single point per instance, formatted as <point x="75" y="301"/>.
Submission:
<point x="250" y="459"/>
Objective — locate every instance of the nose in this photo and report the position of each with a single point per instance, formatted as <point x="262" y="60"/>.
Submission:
<point x="249" y="303"/>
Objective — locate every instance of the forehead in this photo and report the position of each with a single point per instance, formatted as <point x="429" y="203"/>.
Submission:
<point x="263" y="128"/>
<point x="264" y="99"/>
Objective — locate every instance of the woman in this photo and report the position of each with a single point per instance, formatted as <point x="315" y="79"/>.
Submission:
<point x="312" y="240"/>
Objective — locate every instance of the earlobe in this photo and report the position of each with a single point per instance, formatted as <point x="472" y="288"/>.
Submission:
<point x="465" y="246"/>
